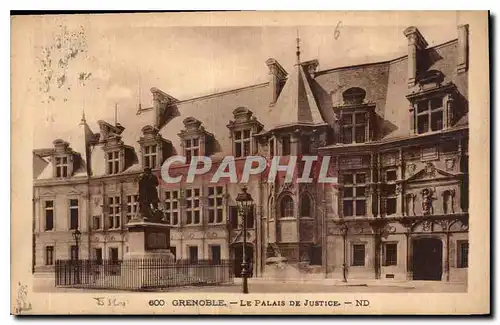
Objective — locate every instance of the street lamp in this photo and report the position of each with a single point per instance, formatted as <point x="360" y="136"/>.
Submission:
<point x="244" y="201"/>
<point x="76" y="236"/>
<point x="343" y="230"/>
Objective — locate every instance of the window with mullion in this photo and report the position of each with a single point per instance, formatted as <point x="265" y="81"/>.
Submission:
<point x="354" y="127"/>
<point x="49" y="215"/>
<point x="114" y="212"/>
<point x="61" y="166"/>
<point x="172" y="207"/>
<point x="191" y="148"/>
<point x="429" y="115"/>
<point x="113" y="161"/>
<point x="354" y="194"/>
<point x="132" y="206"/>
<point x="215" y="204"/>
<point x="193" y="210"/>
<point x="242" y="143"/>
<point x="150" y="156"/>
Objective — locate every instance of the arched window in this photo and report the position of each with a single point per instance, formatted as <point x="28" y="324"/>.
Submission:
<point x="286" y="207"/>
<point x="305" y="206"/>
<point x="354" y="95"/>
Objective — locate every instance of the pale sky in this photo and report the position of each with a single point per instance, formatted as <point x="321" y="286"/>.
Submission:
<point x="128" y="56"/>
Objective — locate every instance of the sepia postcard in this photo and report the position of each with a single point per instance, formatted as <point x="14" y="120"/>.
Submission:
<point x="272" y="163"/>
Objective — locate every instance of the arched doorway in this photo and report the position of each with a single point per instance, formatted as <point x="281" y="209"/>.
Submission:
<point x="427" y="259"/>
<point x="238" y="259"/>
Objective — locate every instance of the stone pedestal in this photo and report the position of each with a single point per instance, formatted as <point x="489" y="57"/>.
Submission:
<point x="148" y="262"/>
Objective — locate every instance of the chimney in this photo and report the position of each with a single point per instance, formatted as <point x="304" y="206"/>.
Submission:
<point x="463" y="48"/>
<point x="277" y="79"/>
<point x="416" y="43"/>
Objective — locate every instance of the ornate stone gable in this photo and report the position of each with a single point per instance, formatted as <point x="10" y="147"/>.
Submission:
<point x="429" y="172"/>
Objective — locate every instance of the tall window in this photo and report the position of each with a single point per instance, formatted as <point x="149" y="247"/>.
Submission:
<point x="73" y="214"/>
<point x="286" y="207"/>
<point x="61" y="166"/>
<point x="193" y="254"/>
<point x="354" y="196"/>
<point x="358" y="255"/>
<point x="390" y="192"/>
<point x="150" y="156"/>
<point x="49" y="255"/>
<point x="463" y="254"/>
<point x="233" y="217"/>
<point x="285" y="145"/>
<point x="132" y="206"/>
<point x="215" y="254"/>
<point x="191" y="148"/>
<point x="271" y="147"/>
<point x="354" y="127"/>
<point x="430" y="115"/>
<point x="113" y="162"/>
<point x="242" y="142"/>
<point x="193" y="210"/>
<point x="305" y="206"/>
<point x="49" y="215"/>
<point x="390" y="254"/>
<point x="215" y="204"/>
<point x="114" y="212"/>
<point x="96" y="222"/>
<point x="250" y="217"/>
<point x="172" y="207"/>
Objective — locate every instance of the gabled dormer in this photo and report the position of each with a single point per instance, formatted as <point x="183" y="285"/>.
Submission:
<point x="195" y="140"/>
<point x="243" y="128"/>
<point x="435" y="105"/>
<point x="65" y="160"/>
<point x="355" y="117"/>
<point x="115" y="151"/>
<point x="154" y="148"/>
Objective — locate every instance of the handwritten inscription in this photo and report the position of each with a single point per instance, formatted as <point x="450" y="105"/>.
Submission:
<point x="110" y="302"/>
<point x="336" y="34"/>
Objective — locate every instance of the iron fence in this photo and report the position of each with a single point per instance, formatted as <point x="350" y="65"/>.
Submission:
<point x="141" y="274"/>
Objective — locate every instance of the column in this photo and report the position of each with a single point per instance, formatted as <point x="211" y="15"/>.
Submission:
<point x="409" y="256"/>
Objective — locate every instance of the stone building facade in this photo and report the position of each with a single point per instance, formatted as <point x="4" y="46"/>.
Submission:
<point x="396" y="134"/>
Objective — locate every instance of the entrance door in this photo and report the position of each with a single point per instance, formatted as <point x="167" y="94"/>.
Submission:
<point x="238" y="259"/>
<point x="427" y="259"/>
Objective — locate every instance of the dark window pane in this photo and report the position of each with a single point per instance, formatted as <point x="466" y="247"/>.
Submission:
<point x="286" y="145"/>
<point x="360" y="178"/>
<point x="391" y="206"/>
<point x="49" y="219"/>
<point x="360" y="207"/>
<point x="422" y="106"/>
<point x="211" y="191"/>
<point x="189" y="217"/>
<point x="246" y="148"/>
<point x="391" y="175"/>
<point x="49" y="204"/>
<point x="360" y="191"/>
<point x="348" y="208"/>
<point x="437" y="121"/>
<point x="391" y="254"/>
<point x="348" y="192"/>
<point x="436" y="103"/>
<point x="358" y="255"/>
<point x="188" y="143"/>
<point x="237" y="150"/>
<point x="211" y="216"/>
<point x="346" y="119"/>
<point x="360" y="134"/>
<point x="423" y="123"/>
<point x="348" y="178"/>
<point x="246" y="134"/>
<point x="390" y="189"/>
<point x="347" y="134"/>
<point x="195" y="142"/>
<point x="219" y="216"/>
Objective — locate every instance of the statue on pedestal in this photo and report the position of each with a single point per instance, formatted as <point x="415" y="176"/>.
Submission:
<point x="148" y="196"/>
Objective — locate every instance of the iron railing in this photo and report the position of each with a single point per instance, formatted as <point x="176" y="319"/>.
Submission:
<point x="141" y="274"/>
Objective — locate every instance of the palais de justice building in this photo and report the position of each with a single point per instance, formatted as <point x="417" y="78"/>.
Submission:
<point x="396" y="132"/>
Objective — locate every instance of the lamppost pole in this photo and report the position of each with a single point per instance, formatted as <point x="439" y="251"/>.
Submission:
<point x="76" y="236"/>
<point x="344" y="263"/>
<point x="244" y="201"/>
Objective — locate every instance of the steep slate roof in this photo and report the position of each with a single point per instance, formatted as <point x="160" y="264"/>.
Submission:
<point x="304" y="100"/>
<point x="296" y="103"/>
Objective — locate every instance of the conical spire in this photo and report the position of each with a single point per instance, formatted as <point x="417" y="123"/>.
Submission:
<point x="83" y="121"/>
<point x="298" y="48"/>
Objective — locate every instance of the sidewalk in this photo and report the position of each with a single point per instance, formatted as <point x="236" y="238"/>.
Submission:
<point x="356" y="282"/>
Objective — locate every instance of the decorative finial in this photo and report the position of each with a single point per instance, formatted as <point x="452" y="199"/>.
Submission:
<point x="298" y="48"/>
<point x="116" y="113"/>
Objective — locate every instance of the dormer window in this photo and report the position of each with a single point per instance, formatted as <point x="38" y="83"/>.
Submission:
<point x="242" y="143"/>
<point x="354" y="117"/>
<point x="113" y="162"/>
<point x="62" y="166"/>
<point x="434" y="105"/>
<point x="154" y="149"/>
<point x="243" y="129"/>
<point x="150" y="156"/>
<point x="65" y="160"/>
<point x="191" y="148"/>
<point x="196" y="141"/>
